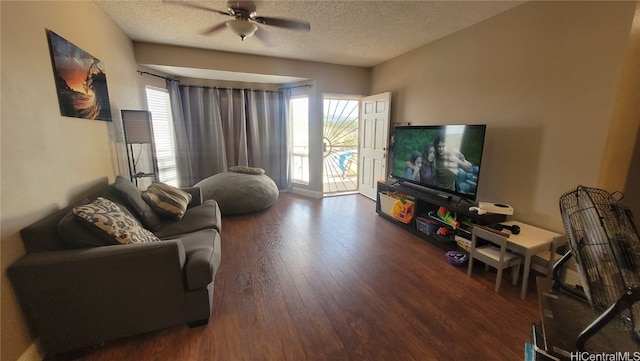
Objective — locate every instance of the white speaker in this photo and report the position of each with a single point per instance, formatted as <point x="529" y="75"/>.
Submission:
<point x="497" y="208"/>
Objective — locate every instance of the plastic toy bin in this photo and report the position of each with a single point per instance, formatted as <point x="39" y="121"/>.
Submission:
<point x="426" y="225"/>
<point x="397" y="206"/>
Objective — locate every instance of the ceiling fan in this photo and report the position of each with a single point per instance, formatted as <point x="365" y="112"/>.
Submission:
<point x="244" y="25"/>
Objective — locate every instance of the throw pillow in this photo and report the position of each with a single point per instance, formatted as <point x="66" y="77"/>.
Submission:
<point x="167" y="199"/>
<point x="247" y="170"/>
<point x="130" y="195"/>
<point x="107" y="219"/>
<point x="76" y="235"/>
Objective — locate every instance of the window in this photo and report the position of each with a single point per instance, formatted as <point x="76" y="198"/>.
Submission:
<point x="299" y="122"/>
<point x="162" y="123"/>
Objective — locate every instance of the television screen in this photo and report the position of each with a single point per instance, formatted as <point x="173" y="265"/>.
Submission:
<point x="444" y="158"/>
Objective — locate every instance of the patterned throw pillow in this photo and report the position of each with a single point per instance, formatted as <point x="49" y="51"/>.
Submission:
<point x="105" y="216"/>
<point x="166" y="199"/>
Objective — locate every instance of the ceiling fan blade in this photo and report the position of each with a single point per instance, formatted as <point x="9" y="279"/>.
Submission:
<point x="200" y="7"/>
<point x="264" y="37"/>
<point x="284" y="23"/>
<point x="215" y="28"/>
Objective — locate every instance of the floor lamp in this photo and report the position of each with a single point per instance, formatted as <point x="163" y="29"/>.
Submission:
<point x="138" y="138"/>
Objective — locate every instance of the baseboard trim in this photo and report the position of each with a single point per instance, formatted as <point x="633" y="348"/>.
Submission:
<point x="306" y="192"/>
<point x="31" y="354"/>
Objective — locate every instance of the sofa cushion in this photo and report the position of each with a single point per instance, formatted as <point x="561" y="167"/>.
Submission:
<point x="76" y="235"/>
<point x="108" y="221"/>
<point x="206" y="215"/>
<point x="166" y="199"/>
<point x="199" y="247"/>
<point x="41" y="236"/>
<point x="196" y="195"/>
<point x="130" y="195"/>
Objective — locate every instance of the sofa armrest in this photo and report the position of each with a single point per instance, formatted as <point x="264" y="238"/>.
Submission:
<point x="78" y="298"/>
<point x="196" y="196"/>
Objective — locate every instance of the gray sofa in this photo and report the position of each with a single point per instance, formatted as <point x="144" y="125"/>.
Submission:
<point x="75" y="291"/>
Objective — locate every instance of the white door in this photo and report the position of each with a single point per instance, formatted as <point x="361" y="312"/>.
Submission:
<point x="374" y="134"/>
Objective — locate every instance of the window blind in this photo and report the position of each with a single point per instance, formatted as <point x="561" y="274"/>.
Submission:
<point x="162" y="123"/>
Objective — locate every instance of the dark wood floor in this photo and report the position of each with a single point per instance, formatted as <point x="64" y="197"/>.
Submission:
<point x="328" y="279"/>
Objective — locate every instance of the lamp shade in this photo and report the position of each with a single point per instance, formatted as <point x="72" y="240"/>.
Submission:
<point x="242" y="28"/>
<point x="137" y="126"/>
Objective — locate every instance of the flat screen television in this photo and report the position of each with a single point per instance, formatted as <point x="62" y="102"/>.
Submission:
<point x="443" y="158"/>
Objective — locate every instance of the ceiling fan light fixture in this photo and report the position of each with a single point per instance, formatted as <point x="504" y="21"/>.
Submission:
<point x="242" y="28"/>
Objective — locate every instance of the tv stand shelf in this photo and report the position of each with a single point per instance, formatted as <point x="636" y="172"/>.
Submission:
<point x="426" y="205"/>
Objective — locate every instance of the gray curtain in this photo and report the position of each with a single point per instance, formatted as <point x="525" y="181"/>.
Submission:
<point x="182" y="152"/>
<point x="267" y="135"/>
<point x="233" y="113"/>
<point x="204" y="132"/>
<point x="226" y="127"/>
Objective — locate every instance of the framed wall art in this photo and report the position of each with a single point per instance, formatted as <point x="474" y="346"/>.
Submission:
<point x="81" y="82"/>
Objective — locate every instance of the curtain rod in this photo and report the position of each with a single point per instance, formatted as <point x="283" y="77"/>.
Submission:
<point x="157" y="76"/>
<point x="227" y="88"/>
<point x="296" y="86"/>
<point x="224" y="88"/>
<point x="266" y="90"/>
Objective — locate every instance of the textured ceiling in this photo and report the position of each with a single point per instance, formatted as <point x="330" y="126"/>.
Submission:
<point x="359" y="33"/>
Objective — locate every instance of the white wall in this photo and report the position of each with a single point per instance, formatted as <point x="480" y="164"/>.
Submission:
<point x="544" y="77"/>
<point x="49" y="160"/>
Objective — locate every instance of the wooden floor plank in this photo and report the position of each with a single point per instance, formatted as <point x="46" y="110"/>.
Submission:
<point x="328" y="279"/>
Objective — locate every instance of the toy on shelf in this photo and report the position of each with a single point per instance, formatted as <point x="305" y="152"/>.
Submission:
<point x="446" y="216"/>
<point x="397" y="205"/>
<point x="402" y="210"/>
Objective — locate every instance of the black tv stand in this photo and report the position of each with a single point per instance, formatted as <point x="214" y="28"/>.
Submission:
<point x="466" y="200"/>
<point x="426" y="204"/>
